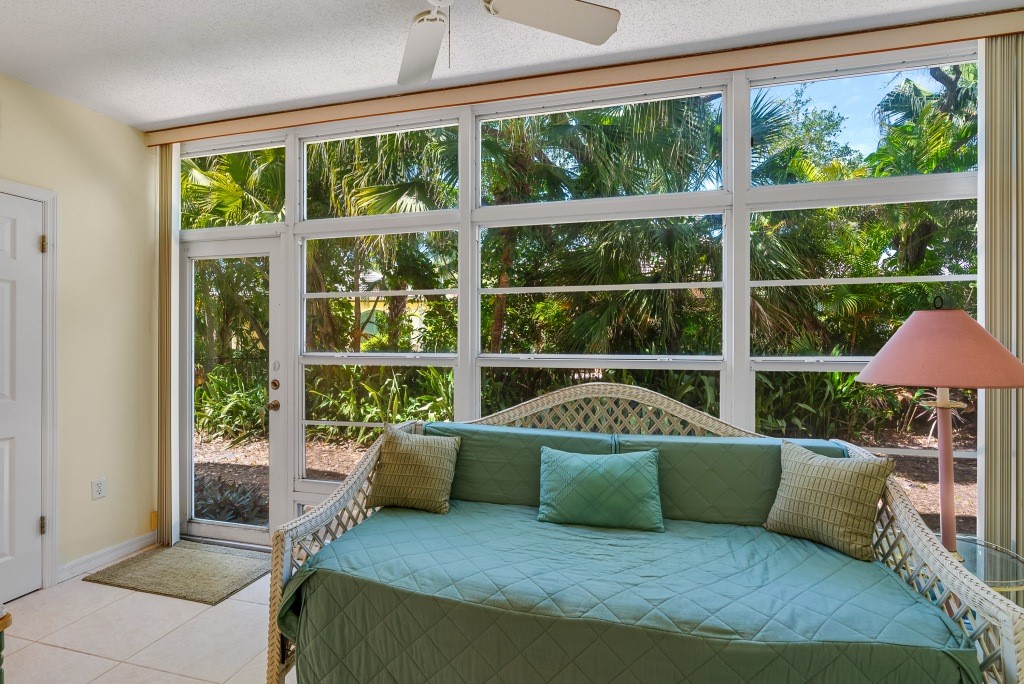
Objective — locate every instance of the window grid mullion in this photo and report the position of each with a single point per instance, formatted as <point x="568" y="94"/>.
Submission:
<point x="737" y="382"/>
<point x="736" y="201"/>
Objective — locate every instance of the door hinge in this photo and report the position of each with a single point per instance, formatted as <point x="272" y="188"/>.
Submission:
<point x="42" y="244"/>
<point x="42" y="524"/>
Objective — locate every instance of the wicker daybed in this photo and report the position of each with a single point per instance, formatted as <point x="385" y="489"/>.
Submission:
<point x="990" y="623"/>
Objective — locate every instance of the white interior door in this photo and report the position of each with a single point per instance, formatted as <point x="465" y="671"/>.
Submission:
<point x="21" y="398"/>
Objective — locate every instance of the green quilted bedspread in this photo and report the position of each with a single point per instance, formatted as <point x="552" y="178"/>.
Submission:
<point x="488" y="594"/>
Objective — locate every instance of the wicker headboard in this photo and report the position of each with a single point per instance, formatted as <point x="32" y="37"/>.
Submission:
<point x="612" y="408"/>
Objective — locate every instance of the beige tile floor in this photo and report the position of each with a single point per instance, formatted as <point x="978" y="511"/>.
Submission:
<point x="84" y="632"/>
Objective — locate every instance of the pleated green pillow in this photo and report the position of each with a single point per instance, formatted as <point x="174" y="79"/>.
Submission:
<point x="832" y="501"/>
<point x="616" y="490"/>
<point x="414" y="471"/>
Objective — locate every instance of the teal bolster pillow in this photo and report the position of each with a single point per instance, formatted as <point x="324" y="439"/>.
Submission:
<point x="617" y="490"/>
<point x="501" y="464"/>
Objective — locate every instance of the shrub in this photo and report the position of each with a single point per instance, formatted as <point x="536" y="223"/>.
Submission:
<point x="224" y="501"/>
<point x="227" y="406"/>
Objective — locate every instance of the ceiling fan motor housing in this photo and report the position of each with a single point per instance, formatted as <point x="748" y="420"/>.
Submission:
<point x="575" y="19"/>
<point x="432" y="16"/>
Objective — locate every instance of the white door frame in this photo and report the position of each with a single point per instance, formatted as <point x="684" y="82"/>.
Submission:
<point x="229" y="249"/>
<point x="48" y="198"/>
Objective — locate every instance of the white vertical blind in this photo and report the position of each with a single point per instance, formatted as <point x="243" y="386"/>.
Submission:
<point x="1001" y="520"/>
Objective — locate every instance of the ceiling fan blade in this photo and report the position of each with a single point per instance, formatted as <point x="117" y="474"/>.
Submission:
<point x="574" y="19"/>
<point x="422" y="47"/>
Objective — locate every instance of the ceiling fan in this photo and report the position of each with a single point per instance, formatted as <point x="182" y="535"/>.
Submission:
<point x="574" y="19"/>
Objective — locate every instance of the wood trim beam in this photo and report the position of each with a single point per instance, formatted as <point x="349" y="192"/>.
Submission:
<point x="840" y="45"/>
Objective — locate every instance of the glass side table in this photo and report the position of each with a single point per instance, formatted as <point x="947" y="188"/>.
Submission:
<point x="999" y="568"/>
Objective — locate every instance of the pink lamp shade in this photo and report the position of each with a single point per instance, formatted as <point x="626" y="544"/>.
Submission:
<point x="944" y="348"/>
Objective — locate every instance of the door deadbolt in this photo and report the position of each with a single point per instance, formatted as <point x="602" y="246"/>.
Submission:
<point x="275" y="384"/>
<point x="273" y="405"/>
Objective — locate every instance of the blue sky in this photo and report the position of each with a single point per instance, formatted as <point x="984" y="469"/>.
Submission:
<point x="855" y="98"/>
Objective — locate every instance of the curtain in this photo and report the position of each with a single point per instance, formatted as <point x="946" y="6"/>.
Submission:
<point x="1001" y="477"/>
<point x="167" y="463"/>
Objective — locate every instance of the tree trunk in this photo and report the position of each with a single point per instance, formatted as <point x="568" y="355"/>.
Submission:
<point x="498" y="320"/>
<point x="357" y="305"/>
<point x="396" y="311"/>
<point x="321" y="330"/>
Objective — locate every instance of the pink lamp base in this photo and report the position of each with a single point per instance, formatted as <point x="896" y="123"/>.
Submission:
<point x="947" y="503"/>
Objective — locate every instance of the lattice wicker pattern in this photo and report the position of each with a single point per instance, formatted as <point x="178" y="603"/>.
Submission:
<point x="297" y="541"/>
<point x="611" y="408"/>
<point x="993" y="623"/>
<point x="902" y="541"/>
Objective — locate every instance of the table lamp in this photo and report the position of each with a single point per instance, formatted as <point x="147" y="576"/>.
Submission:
<point x="944" y="348"/>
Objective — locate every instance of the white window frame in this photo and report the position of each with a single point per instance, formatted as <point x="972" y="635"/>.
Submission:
<point x="736" y="201"/>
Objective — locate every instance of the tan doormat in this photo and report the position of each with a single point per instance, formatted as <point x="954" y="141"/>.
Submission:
<point x="194" y="572"/>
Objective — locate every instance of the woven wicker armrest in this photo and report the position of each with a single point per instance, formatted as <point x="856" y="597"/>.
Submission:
<point x="993" y="623"/>
<point x="295" y="542"/>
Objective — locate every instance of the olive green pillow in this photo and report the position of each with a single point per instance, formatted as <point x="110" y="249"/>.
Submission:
<point x="833" y="501"/>
<point x="615" y="490"/>
<point x="414" y="471"/>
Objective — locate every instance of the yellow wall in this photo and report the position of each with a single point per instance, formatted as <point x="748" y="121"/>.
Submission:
<point x="105" y="180"/>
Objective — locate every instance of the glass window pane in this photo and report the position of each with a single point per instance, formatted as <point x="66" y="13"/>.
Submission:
<point x="667" y="250"/>
<point x="233" y="189"/>
<point x="849" y="320"/>
<point x="506" y="387"/>
<point x="401" y="261"/>
<point x="383" y="174"/>
<point x="836" y="406"/>
<point x="638" y="148"/>
<point x="622" y="322"/>
<point x="230" y="452"/>
<point x="382" y="324"/>
<point x="331" y="451"/>
<point x="901" y="123"/>
<point x="378" y="394"/>
<point x="926" y="238"/>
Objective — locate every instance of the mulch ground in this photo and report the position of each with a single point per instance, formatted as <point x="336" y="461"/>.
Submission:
<point x="919" y="475"/>
<point x="247" y="464"/>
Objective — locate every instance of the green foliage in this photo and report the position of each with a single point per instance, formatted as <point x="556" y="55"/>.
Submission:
<point x="834" y="405"/>
<point x="237" y="189"/>
<point x="383" y="174"/>
<point x="506" y="387"/>
<point x="229" y="405"/>
<point x="803" y="405"/>
<point x="375" y="395"/>
<point x="631" y="149"/>
<point x="225" y="501"/>
<point x="643" y="148"/>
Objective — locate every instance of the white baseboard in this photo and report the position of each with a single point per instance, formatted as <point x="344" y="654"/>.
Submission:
<point x="97" y="559"/>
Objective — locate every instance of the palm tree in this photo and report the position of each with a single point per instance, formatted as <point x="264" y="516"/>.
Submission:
<point x="633" y="149"/>
<point x="237" y="189"/>
<point x="231" y="316"/>
<point x="393" y="173"/>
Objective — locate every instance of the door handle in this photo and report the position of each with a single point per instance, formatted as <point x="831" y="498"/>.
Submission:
<point x="273" y="405"/>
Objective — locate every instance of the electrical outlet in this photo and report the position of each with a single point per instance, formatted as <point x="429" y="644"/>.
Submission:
<point x="99" y="488"/>
<point x="154" y="520"/>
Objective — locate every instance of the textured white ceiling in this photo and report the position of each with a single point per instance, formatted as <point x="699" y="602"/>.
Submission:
<point x="161" y="63"/>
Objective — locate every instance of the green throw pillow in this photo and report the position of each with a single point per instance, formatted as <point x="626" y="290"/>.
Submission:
<point x="413" y="471"/>
<point x="833" y="501"/>
<point x="616" y="490"/>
